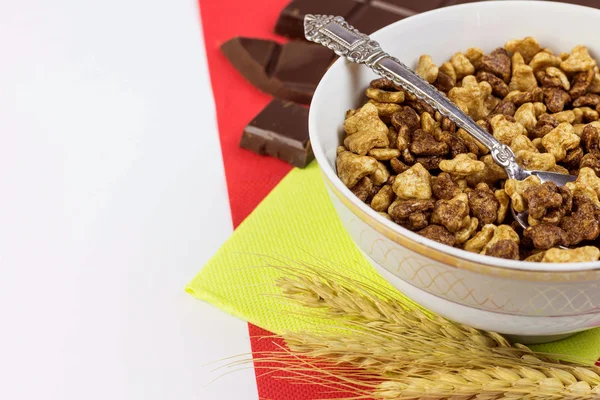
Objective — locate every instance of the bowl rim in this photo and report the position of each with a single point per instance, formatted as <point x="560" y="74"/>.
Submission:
<point x="376" y="221"/>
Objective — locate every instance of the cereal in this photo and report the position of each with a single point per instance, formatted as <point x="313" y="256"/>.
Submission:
<point x="416" y="168"/>
<point x="427" y="69"/>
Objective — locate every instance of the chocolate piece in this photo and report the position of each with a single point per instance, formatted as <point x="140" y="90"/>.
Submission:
<point x="280" y="130"/>
<point x="290" y="71"/>
<point x="367" y="16"/>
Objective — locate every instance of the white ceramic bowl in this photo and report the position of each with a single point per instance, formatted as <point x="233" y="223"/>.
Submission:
<point x="534" y="301"/>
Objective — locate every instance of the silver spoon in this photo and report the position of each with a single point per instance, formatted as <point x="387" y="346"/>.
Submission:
<point x="336" y="34"/>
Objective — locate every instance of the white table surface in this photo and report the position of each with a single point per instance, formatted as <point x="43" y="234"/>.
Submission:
<point x="112" y="196"/>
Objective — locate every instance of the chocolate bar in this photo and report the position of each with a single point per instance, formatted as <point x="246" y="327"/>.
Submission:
<point x="290" y="71"/>
<point x="280" y="130"/>
<point x="367" y="16"/>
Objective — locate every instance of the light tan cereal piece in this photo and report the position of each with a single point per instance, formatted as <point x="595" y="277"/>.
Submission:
<point x="462" y="65"/>
<point x="428" y="123"/>
<point x="522" y="142"/>
<point x="560" y="139"/>
<point x="491" y="102"/>
<point x="465" y="136"/>
<point x="557" y="73"/>
<point x="536" y="257"/>
<point x="502" y="232"/>
<point x="491" y="173"/>
<point x="515" y="190"/>
<point x="536" y="161"/>
<point x="505" y="130"/>
<point x="383" y="96"/>
<point x="565" y="116"/>
<point x="453" y="214"/>
<point x="351" y="167"/>
<point x="528" y="47"/>
<point x="578" y="189"/>
<point x="522" y="78"/>
<point x="504" y="201"/>
<point x="588" y="178"/>
<point x="580" y="254"/>
<point x="462" y="165"/>
<point x="526" y="116"/>
<point x="383" y="199"/>
<point x="384" y="154"/>
<point x="579" y="60"/>
<point x="481" y="238"/>
<point x="563" y="55"/>
<point x="537" y="142"/>
<point x="595" y="85"/>
<point x="560" y="169"/>
<point x="414" y="183"/>
<point x="543" y="60"/>
<point x="540" y="108"/>
<point x="585" y="114"/>
<point x="448" y="69"/>
<point x="578" y="129"/>
<point x="465" y="233"/>
<point x="427" y="69"/>
<point x="381" y="175"/>
<point x="471" y="97"/>
<point x="365" y="130"/>
<point x="474" y="54"/>
<point x="386" y="110"/>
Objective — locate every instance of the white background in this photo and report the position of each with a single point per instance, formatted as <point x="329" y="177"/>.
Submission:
<point x="112" y="197"/>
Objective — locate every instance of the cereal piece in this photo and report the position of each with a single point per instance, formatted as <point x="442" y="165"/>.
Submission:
<point x="491" y="102"/>
<point x="519" y="98"/>
<point x="591" y="161"/>
<point x="462" y="65"/>
<point x="536" y="161"/>
<point x="505" y="130"/>
<point x="483" y="204"/>
<point x="544" y="125"/>
<point x="475" y="56"/>
<point x="439" y="234"/>
<point x="465" y="233"/>
<point x="384" y="154"/>
<point x="505" y="248"/>
<point x="543" y="60"/>
<point x="579" y="60"/>
<point x="462" y="165"/>
<point x="588" y="178"/>
<point x="561" y="139"/>
<point x="515" y="190"/>
<point x="383" y="199"/>
<point x="536" y="256"/>
<point x="481" y="239"/>
<point x="546" y="80"/>
<point x="471" y="97"/>
<point x="407" y="117"/>
<point x="558" y="74"/>
<point x="455" y="144"/>
<point x="383" y="96"/>
<point x="573" y="159"/>
<point x="580" y="190"/>
<point x="363" y="188"/>
<point x="590" y="139"/>
<point x="453" y="213"/>
<point x="555" y="99"/>
<point x="398" y="166"/>
<point x="365" y="130"/>
<point x="545" y="236"/>
<point x="498" y="63"/>
<point x="386" y="110"/>
<point x="424" y="144"/>
<point x="428" y="123"/>
<point x="547" y="203"/>
<point x="591" y="100"/>
<point x="528" y="47"/>
<point x="595" y="86"/>
<point x="403" y="137"/>
<point x="580" y="254"/>
<point x="522" y="78"/>
<point x="499" y="87"/>
<point x="414" y="183"/>
<point x="385" y="84"/>
<point x="582" y="224"/>
<point x="448" y="125"/>
<point x="427" y="69"/>
<point x="585" y="114"/>
<point x="502" y="232"/>
<point x="580" y="84"/>
<point x="444" y="82"/>
<point x="444" y="187"/>
<point x="526" y="116"/>
<point x="504" y="202"/>
<point x="447" y="69"/>
<point x="505" y="107"/>
<point x="491" y="173"/>
<point x="522" y="142"/>
<point x="565" y="116"/>
<point x="407" y="157"/>
<point x="539" y="108"/>
<point x="381" y="175"/>
<point x="430" y="162"/>
<point x="392" y="135"/>
<point x="420" y="106"/>
<point x="537" y="142"/>
<point x="401" y="212"/>
<point x="351" y="168"/>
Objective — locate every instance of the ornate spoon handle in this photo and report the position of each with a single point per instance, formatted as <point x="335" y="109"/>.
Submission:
<point x="336" y="34"/>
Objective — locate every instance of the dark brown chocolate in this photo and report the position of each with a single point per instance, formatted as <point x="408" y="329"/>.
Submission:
<point x="280" y="130"/>
<point x="289" y="72"/>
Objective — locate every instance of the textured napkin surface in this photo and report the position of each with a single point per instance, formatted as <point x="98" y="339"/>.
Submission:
<point x="297" y="222"/>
